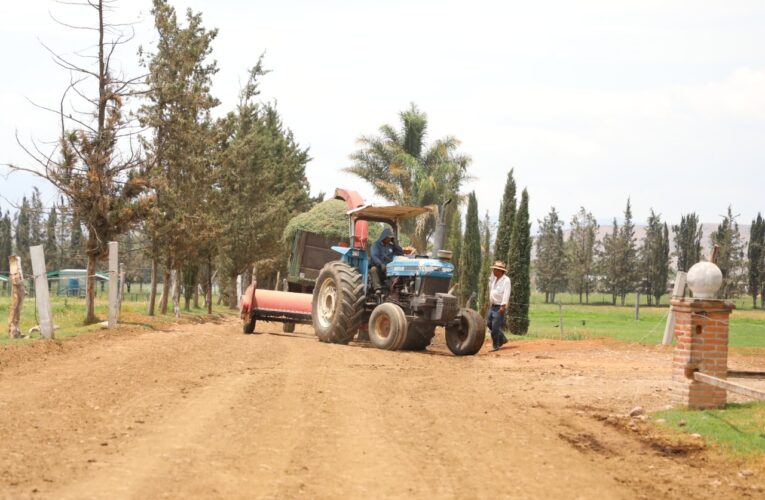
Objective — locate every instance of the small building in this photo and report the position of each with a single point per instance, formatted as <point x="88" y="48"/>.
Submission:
<point x="72" y="282"/>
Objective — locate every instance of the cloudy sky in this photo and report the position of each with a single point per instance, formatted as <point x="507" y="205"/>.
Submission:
<point x="591" y="102"/>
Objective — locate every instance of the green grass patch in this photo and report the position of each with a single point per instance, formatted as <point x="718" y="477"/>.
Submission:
<point x="739" y="428"/>
<point x="581" y="322"/>
<point x="69" y="316"/>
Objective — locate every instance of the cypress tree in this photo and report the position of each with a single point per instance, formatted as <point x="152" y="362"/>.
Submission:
<point x="50" y="246"/>
<point x="470" y="261"/>
<point x="454" y="242"/>
<point x="730" y="256"/>
<point x="551" y="256"/>
<point x="654" y="259"/>
<point x="506" y="219"/>
<point x="688" y="236"/>
<point x="519" y="263"/>
<point x="483" y="277"/>
<point x="22" y="236"/>
<point x="6" y="243"/>
<point x="755" y="254"/>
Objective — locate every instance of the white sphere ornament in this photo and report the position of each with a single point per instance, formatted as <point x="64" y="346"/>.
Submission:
<point x="704" y="280"/>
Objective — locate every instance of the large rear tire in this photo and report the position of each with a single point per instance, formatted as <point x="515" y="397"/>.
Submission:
<point x="467" y="336"/>
<point x="338" y="303"/>
<point x="387" y="327"/>
<point x="418" y="336"/>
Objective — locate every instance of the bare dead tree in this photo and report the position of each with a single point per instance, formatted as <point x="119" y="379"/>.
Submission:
<point x="96" y="162"/>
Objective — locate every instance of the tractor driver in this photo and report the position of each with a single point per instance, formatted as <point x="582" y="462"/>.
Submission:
<point x="383" y="251"/>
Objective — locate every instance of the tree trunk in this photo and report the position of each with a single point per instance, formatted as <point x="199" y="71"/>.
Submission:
<point x="18" y="292"/>
<point x="176" y="279"/>
<point x="153" y="287"/>
<point x="195" y="295"/>
<point x="233" y="300"/>
<point x="208" y="292"/>
<point x="165" y="292"/>
<point x="90" y="283"/>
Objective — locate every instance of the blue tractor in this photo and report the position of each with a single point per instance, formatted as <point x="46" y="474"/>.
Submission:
<point x="403" y="311"/>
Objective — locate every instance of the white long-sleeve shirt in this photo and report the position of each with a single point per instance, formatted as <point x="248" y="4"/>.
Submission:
<point x="499" y="290"/>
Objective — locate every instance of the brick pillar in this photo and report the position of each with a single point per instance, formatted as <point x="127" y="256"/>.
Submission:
<point x="701" y="329"/>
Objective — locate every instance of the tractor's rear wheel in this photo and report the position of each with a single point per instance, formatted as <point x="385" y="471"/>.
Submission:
<point x="248" y="325"/>
<point x="338" y="303"/>
<point x="387" y="326"/>
<point x="466" y="337"/>
<point x="418" y="336"/>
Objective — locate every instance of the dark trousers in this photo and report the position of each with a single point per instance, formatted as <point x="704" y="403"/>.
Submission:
<point x="495" y="321"/>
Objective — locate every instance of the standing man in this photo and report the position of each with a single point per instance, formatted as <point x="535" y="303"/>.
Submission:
<point x="499" y="295"/>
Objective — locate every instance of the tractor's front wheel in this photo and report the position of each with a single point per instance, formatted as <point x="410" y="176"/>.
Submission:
<point x="387" y="327"/>
<point x="338" y="303"/>
<point x="288" y="327"/>
<point x="466" y="337"/>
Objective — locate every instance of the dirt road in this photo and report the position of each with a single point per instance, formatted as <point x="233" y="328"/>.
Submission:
<point x="203" y="411"/>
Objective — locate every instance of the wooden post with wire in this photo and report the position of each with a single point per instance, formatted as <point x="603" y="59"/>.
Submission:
<point x="17" y="296"/>
<point x="560" y="317"/>
<point x="42" y="294"/>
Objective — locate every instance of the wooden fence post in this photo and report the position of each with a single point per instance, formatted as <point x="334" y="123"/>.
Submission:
<point x="677" y="292"/>
<point x="42" y="294"/>
<point x="113" y="283"/>
<point x="17" y="296"/>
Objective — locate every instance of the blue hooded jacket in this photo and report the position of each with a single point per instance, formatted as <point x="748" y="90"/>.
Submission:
<point x="383" y="254"/>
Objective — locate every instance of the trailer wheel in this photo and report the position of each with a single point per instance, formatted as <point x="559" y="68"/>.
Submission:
<point x="288" y="327"/>
<point x="338" y="303"/>
<point x="248" y="325"/>
<point x="466" y="337"/>
<point x="418" y="336"/>
<point x="387" y="326"/>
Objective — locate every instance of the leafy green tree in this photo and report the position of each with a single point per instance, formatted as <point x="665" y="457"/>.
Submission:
<point x="182" y="143"/>
<point x="654" y="259"/>
<point x="688" y="236"/>
<point x="608" y="262"/>
<point x="483" y="276"/>
<point x="405" y="170"/>
<point x="756" y="257"/>
<point x="580" y="253"/>
<point x="470" y="258"/>
<point x="506" y="219"/>
<point x="551" y="256"/>
<point x="730" y="254"/>
<point x="519" y="268"/>
<point x="262" y="185"/>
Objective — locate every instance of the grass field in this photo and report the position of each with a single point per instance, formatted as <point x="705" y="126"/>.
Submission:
<point x="747" y="327"/>
<point x="69" y="314"/>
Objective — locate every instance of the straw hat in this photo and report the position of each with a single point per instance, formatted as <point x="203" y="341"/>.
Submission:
<point x="499" y="265"/>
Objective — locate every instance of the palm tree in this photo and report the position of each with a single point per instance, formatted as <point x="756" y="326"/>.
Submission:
<point x="405" y="170"/>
